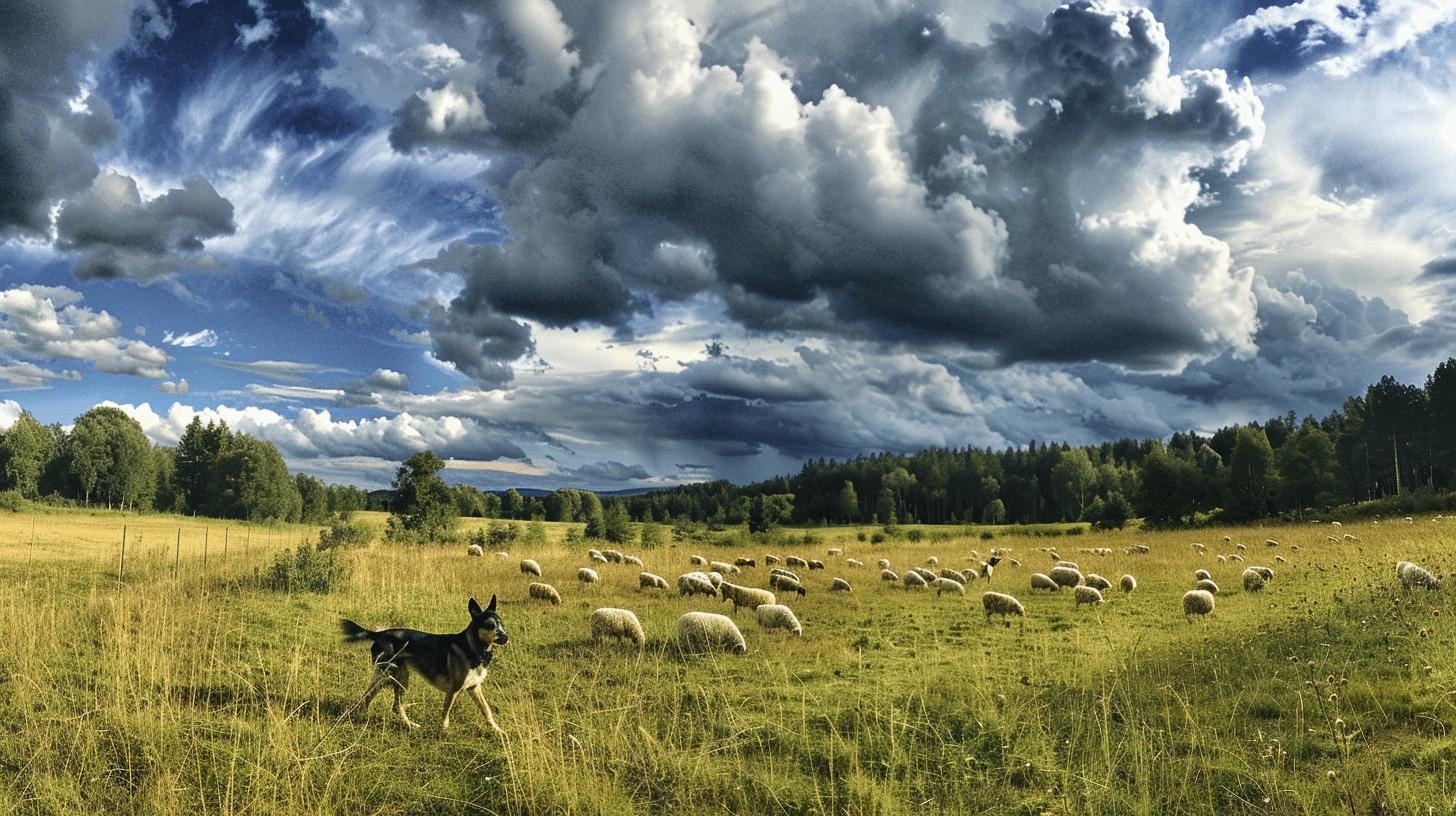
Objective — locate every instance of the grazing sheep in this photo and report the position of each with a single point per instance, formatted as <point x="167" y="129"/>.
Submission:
<point x="1040" y="580"/>
<point x="1222" y="559"/>
<point x="617" y="624"/>
<point x="587" y="575"/>
<point x="1097" y="582"/>
<point x="1142" y="549"/>
<point x="1066" y="576"/>
<point x="786" y="574"/>
<point x="1264" y="572"/>
<point x="968" y="575"/>
<point x="1240" y="547"/>
<point x="1332" y="538"/>
<point x="1199" y="547"/>
<point x="632" y="559"/>
<point x="744" y="562"/>
<point x="530" y="567"/>
<point x="770" y="558"/>
<point x="1227" y="539"/>
<point x="1412" y="576"/>
<point x="1207" y="585"/>
<point x="796" y="561"/>
<point x="913" y="580"/>
<point x="475" y="551"/>
<point x="1269" y="542"/>
<point x="613" y="556"/>
<point x="1253" y="581"/>
<point x="932" y="561"/>
<point x="646" y="580"/>
<point x="708" y="631"/>
<point x="1349" y="537"/>
<point x="744" y="596"/>
<point x="778" y="616"/>
<point x="1013" y="562"/>
<point x="786" y="583"/>
<point x="1067" y="564"/>
<point x="947" y="572"/>
<point x="944" y="585"/>
<point x="1336" y="524"/>
<point x="996" y="603"/>
<point x="839" y="585"/>
<point x="1197" y="602"/>
<point x="715" y="578"/>
<point x="928" y="576"/>
<point x="1202" y="575"/>
<point x="596" y="557"/>
<point x="1238" y="558"/>
<point x="1128" y="583"/>
<point x="853" y="563"/>
<point x="544" y="592"/>
<point x="697" y="561"/>
<point x="884" y="563"/>
<point x="695" y="583"/>
<point x="836" y="551"/>
<point x="1279" y="559"/>
<point x="723" y="568"/>
<point x="816" y="564"/>
<point x="888" y="575"/>
<point x="1086" y="595"/>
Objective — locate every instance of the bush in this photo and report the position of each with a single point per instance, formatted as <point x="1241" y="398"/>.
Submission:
<point x="860" y="536"/>
<point x="535" y="534"/>
<point x="496" y="535"/>
<point x="914" y="536"/>
<point x="877" y="538"/>
<point x="12" y="500"/>
<point x="344" y="533"/>
<point x="651" y="536"/>
<point x="306" y="569"/>
<point x="574" y="536"/>
<point x="987" y="535"/>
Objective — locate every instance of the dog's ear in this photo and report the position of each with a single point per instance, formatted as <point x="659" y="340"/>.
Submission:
<point x="475" y="610"/>
<point x="491" y="608"/>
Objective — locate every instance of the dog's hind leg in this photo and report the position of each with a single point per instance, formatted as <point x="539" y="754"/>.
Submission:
<point x="381" y="676"/>
<point x="478" y="696"/>
<point x="450" y="697"/>
<point x="401" y="682"/>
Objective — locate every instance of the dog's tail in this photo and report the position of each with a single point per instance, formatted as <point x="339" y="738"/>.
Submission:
<point x="353" y="632"/>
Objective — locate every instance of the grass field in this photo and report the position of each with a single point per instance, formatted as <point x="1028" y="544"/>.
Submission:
<point x="203" y="693"/>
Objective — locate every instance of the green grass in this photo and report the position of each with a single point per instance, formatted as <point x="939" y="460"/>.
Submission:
<point x="205" y="693"/>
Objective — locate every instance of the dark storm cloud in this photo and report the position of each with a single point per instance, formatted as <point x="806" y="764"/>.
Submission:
<point x="478" y="342"/>
<point x="1041" y="215"/>
<point x="607" y="472"/>
<point x="123" y="236"/>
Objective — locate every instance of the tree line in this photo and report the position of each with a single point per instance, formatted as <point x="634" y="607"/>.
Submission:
<point x="106" y="460"/>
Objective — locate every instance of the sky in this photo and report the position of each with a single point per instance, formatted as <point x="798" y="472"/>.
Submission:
<point x="631" y="243"/>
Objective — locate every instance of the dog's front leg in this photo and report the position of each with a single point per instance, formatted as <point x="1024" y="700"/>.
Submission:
<point x="450" y="697"/>
<point x="478" y="696"/>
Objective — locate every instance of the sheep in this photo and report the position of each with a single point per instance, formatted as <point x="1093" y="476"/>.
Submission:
<point x="888" y="575"/>
<point x="996" y="603"/>
<point x="1197" y="602"/>
<point x="1238" y="558"/>
<point x="587" y="575"/>
<point x="836" y="551"/>
<point x="1202" y="575"/>
<point x="646" y="580"/>
<point x="544" y="592"/>
<point x="1279" y="559"/>
<point x="1041" y="580"/>
<point x="617" y="624"/>
<point x="744" y="562"/>
<point x="786" y="573"/>
<point x="1264" y="572"/>
<point x="1349" y="537"/>
<point x="697" y="561"/>
<point x="723" y="568"/>
<point x="1128" y="583"/>
<point x="1412" y="576"/>
<point x="613" y="556"/>
<point x="1253" y="581"/>
<point x="695" y="583"/>
<point x="1066" y="576"/>
<point x="1015" y="563"/>
<point x="1336" y="524"/>
<point x="596" y="556"/>
<point x="1086" y="595"/>
<point x="1067" y="564"/>
<point x="715" y="578"/>
<point x="530" y="567"/>
<point x="853" y="563"/>
<point x="1240" y="547"/>
<point x="1207" y="585"/>
<point x="969" y="574"/>
<point x="786" y="583"/>
<point x="1097" y="582"/>
<point x="1227" y="539"/>
<point x="1269" y="542"/>
<point x="932" y="561"/>
<point x="778" y="616"/>
<point x="947" y="572"/>
<point x="928" y="576"/>
<point x="1199" y="547"/>
<point x="1332" y="539"/>
<point x="475" y="551"/>
<point x="913" y="580"/>
<point x="944" y="585"/>
<point x="1142" y="549"/>
<point x="770" y="558"/>
<point x="632" y="559"/>
<point x="796" y="561"/>
<point x="839" y="585"/>
<point x="745" y="596"/>
<point x="884" y="563"/>
<point x="709" y="631"/>
<point x="816" y="564"/>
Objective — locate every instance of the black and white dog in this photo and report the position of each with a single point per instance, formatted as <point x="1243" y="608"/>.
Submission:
<point x="450" y="663"/>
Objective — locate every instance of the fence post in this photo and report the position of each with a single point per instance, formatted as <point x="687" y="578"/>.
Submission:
<point x="177" y="559"/>
<point x="121" y="568"/>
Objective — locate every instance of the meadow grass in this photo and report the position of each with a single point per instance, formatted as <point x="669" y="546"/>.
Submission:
<point x="204" y="692"/>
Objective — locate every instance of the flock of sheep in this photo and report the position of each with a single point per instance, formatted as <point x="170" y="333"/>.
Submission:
<point x="699" y="631"/>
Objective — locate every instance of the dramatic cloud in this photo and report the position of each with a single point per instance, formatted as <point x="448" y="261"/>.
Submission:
<point x="1344" y="36"/>
<point x="45" y="324"/>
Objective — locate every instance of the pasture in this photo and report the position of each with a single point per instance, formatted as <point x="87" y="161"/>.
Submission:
<point x="204" y="693"/>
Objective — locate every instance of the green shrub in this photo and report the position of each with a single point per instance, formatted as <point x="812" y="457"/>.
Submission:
<point x="574" y="536"/>
<point x="987" y="535"/>
<point x="12" y="500"/>
<point x="345" y="533"/>
<point x="306" y="569"/>
<point x="860" y="536"/>
<point x="651" y="536"/>
<point x="877" y="538"/>
<point x="914" y="536"/>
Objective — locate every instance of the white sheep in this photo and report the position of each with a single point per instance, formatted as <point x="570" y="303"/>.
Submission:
<point x="969" y="574"/>
<point x="1068" y="565"/>
<point x="1207" y="585"/>
<point x="1202" y="575"/>
<point x="778" y="616"/>
<point x="816" y="564"/>
<point x="954" y="575"/>
<point x="587" y="575"/>
<point x="853" y="563"/>
<point x="1128" y="583"/>
<point x="1097" y="582"/>
<point x="544" y="592"/>
<point x="530" y="567"/>
<point x="1264" y="572"/>
<point x="1240" y="547"/>
<point x="1269" y="542"/>
<point x="617" y="624"/>
<point x="475" y="551"/>
<point x="836" y="551"/>
<point x="996" y="603"/>
<point x="632" y="559"/>
<point x="596" y="557"/>
<point x="786" y="573"/>
<point x="695" y="583"/>
<point x="708" y="631"/>
<point x="913" y="580"/>
<point x="888" y="575"/>
<point x="723" y="568"/>
<point x="697" y="561"/>
<point x="1279" y="559"/>
<point x="613" y="556"/>
<point x="715" y="578"/>
<point x="796" y="561"/>
<point x="932" y="561"/>
<point x="944" y="585"/>
<point x="787" y="583"/>
<point x="1412" y="576"/>
<point x="840" y="585"/>
<point x="884" y="563"/>
<point x="1197" y="602"/>
<point x="646" y="580"/>
<point x="1066" y="576"/>
<point x="1142" y="549"/>
<point x="1253" y="581"/>
<point x="1236" y="557"/>
<point x="1086" y="595"/>
<point x="1041" y="580"/>
<point x="745" y="596"/>
<point x="770" y="558"/>
<point x="741" y="562"/>
<point x="1349" y="537"/>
